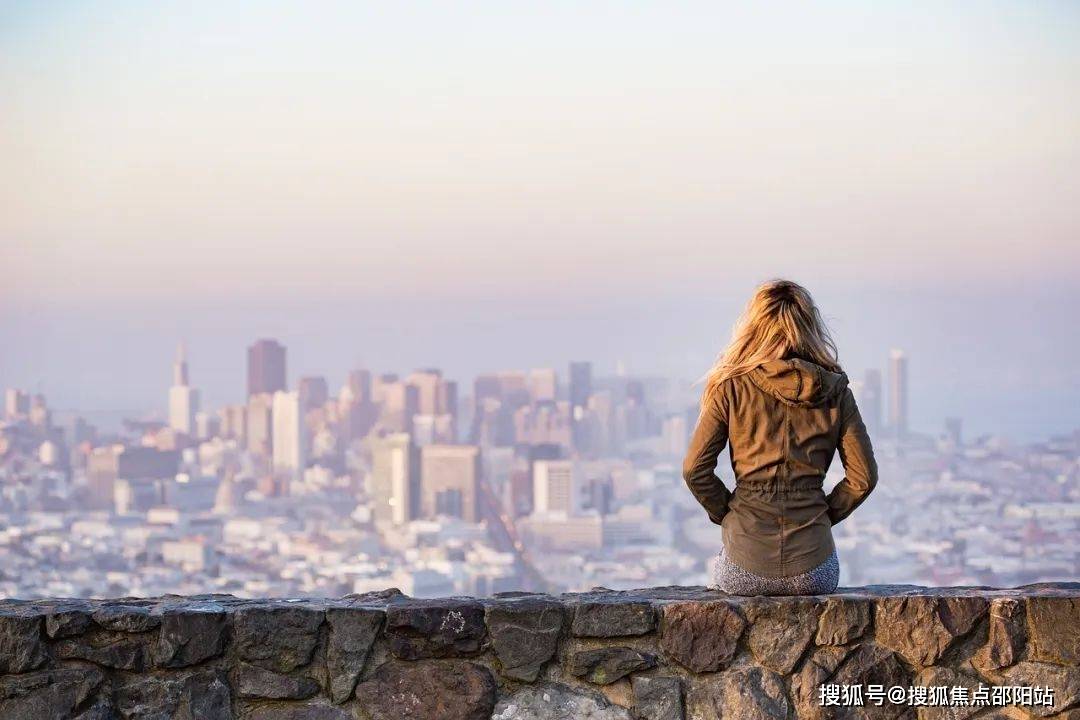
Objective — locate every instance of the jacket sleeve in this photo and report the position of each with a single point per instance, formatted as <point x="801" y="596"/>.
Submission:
<point x="710" y="437"/>
<point x="857" y="456"/>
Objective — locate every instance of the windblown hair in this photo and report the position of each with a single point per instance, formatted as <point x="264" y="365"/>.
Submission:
<point x="780" y="321"/>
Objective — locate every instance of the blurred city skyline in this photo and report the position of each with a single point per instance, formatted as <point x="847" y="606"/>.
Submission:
<point x="485" y="187"/>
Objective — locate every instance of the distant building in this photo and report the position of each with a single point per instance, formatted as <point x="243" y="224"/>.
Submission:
<point x="543" y="384"/>
<point x="313" y="392"/>
<point x="266" y="367"/>
<point x="898" y="393"/>
<point x="448" y="481"/>
<point x="400" y="402"/>
<point x="555" y="487"/>
<point x="674" y="435"/>
<point x="359" y="384"/>
<point x="395" y="479"/>
<point x="290" y="438"/>
<point x="16" y="404"/>
<point x="580" y="391"/>
<point x="260" y="432"/>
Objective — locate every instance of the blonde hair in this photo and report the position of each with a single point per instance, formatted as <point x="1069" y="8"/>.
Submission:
<point x="780" y="321"/>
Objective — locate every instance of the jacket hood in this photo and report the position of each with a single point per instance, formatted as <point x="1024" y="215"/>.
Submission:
<point x="799" y="382"/>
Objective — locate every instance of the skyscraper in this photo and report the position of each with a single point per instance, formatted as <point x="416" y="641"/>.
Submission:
<point x="359" y="384"/>
<point x="266" y="367"/>
<point x="448" y="481"/>
<point x="183" y="399"/>
<point x="580" y="390"/>
<point x="543" y="384"/>
<point x="260" y="437"/>
<point x="16" y="403"/>
<point x="898" y="394"/>
<point x="395" y="477"/>
<point x="290" y="445"/>
<point x="313" y="391"/>
<point x="555" y="486"/>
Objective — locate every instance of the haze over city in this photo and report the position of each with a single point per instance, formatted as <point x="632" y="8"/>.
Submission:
<point x="485" y="186"/>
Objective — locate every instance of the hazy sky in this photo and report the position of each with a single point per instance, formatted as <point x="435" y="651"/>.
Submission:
<point x="502" y="184"/>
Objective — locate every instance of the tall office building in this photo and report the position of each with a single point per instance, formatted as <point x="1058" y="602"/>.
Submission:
<point x="290" y="437"/>
<point x="543" y="384"/>
<point x="16" y="404"/>
<point x="260" y="433"/>
<point x="869" y="400"/>
<point x="427" y="384"/>
<point x="448" y="481"/>
<point x="555" y="486"/>
<point x="266" y="367"/>
<point x="359" y="384"/>
<point x="898" y="394"/>
<point x="183" y="399"/>
<point x="399" y="403"/>
<point x="580" y="390"/>
<point x="313" y="391"/>
<point x="395" y="479"/>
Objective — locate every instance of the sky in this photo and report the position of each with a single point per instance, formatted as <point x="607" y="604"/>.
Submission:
<point x="487" y="185"/>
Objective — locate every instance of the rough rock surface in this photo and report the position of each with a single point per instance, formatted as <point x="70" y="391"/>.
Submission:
<point x="557" y="702"/>
<point x="451" y="690"/>
<point x="842" y="620"/>
<point x="751" y="693"/>
<point x="702" y="637"/>
<point x="21" y="648"/>
<point x="435" y="628"/>
<point x="657" y="698"/>
<point x="1054" y="626"/>
<point x="257" y="682"/>
<point x="525" y="635"/>
<point x="352" y="633"/>
<point x="277" y="637"/>
<point x="922" y="628"/>
<point x="604" y="666"/>
<point x="604" y="618"/>
<point x="1006" y="634"/>
<point x="190" y="635"/>
<point x="781" y="630"/>
<point x="46" y="693"/>
<point x="204" y="695"/>
<point x="672" y="652"/>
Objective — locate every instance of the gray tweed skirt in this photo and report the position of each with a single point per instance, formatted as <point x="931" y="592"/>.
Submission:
<point x="734" y="580"/>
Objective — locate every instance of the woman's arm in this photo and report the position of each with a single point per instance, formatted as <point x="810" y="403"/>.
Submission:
<point x="708" y="441"/>
<point x="857" y="456"/>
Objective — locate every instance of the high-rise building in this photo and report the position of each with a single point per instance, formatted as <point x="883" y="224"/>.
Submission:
<point x="260" y="431"/>
<point x="435" y="396"/>
<point x="555" y="487"/>
<point x="869" y="400"/>
<point x="359" y="384"/>
<point x="448" y="481"/>
<point x="313" y="391"/>
<point x="395" y="479"/>
<point x="290" y="437"/>
<point x="580" y="390"/>
<point x="16" y="403"/>
<point x="266" y="367"/>
<point x="898" y="394"/>
<point x="183" y="399"/>
<point x="674" y="435"/>
<point x="427" y="384"/>
<point x="543" y="384"/>
<point x="399" y="404"/>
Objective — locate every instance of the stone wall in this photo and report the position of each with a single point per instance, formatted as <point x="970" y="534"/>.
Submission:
<point x="664" y="653"/>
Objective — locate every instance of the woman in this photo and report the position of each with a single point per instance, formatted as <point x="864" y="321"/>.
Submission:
<point x="778" y="396"/>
